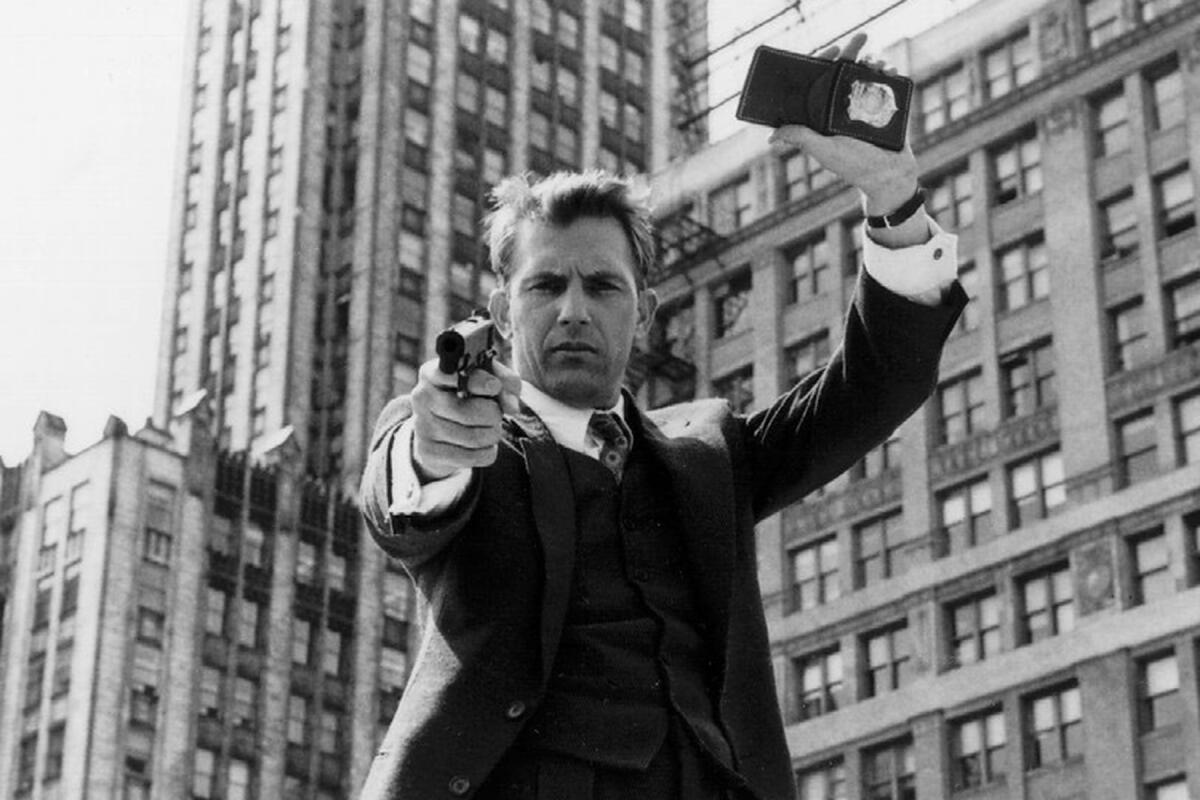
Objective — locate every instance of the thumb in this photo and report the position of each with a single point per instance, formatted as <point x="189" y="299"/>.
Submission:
<point x="510" y="386"/>
<point x="795" y="135"/>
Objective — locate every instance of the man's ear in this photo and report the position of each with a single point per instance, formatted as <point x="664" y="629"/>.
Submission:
<point x="647" y="304"/>
<point x="498" y="308"/>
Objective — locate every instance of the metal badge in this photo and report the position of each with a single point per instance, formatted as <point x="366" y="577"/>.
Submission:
<point x="872" y="103"/>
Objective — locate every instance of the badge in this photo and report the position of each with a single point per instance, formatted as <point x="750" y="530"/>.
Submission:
<point x="872" y="103"/>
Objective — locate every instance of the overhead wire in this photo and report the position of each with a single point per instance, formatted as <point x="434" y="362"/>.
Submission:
<point x="699" y="115"/>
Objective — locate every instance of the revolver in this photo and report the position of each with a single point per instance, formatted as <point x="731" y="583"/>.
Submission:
<point x="466" y="346"/>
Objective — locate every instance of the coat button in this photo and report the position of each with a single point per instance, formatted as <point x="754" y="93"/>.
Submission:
<point x="937" y="254"/>
<point x="640" y="575"/>
<point x="459" y="786"/>
<point x="516" y="709"/>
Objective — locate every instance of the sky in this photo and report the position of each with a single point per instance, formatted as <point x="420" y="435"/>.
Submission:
<point x="91" y="93"/>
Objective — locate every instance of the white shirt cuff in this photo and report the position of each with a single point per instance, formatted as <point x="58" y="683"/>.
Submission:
<point x="409" y="496"/>
<point x="920" y="272"/>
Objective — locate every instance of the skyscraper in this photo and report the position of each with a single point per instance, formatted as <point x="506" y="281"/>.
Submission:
<point x="334" y="163"/>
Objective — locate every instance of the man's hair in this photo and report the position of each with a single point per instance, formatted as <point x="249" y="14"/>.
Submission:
<point x="560" y="199"/>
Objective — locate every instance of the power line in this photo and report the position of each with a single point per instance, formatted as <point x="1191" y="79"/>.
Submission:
<point x="693" y="119"/>
<point x="794" y="5"/>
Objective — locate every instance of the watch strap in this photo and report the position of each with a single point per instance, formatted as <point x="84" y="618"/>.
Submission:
<point x="901" y="214"/>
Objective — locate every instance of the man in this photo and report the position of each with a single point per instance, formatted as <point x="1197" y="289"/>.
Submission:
<point x="592" y="624"/>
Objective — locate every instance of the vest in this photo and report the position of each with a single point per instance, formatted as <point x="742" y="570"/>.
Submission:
<point x="633" y="648"/>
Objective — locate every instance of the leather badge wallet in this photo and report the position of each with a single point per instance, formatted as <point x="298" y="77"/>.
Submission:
<point x="831" y="97"/>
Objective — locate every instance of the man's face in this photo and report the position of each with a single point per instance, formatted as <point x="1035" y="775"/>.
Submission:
<point x="572" y="309"/>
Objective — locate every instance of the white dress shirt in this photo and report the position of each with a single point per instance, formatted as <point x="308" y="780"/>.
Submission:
<point x="920" y="273"/>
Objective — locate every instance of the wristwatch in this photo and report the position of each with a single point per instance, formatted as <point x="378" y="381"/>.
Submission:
<point x="901" y="214"/>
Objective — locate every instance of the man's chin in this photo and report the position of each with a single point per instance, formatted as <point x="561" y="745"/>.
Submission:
<point x="580" y="390"/>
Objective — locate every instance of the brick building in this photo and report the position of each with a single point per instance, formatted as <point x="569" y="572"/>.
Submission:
<point x="1003" y="601"/>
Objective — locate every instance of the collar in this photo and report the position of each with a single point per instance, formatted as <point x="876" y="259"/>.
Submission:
<point x="567" y="424"/>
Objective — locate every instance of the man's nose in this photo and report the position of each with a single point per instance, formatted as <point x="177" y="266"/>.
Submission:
<point x="574" y="307"/>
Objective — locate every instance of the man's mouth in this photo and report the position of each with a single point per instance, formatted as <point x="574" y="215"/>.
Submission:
<point x="573" y="347"/>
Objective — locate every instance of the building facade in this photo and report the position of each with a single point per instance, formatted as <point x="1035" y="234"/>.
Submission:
<point x="185" y="621"/>
<point x="1003" y="600"/>
<point x="334" y="164"/>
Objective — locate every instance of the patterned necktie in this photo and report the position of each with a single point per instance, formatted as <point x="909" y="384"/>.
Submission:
<point x="610" y="431"/>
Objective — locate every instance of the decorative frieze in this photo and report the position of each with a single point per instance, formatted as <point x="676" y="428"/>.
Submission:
<point x="1139" y="386"/>
<point x="1063" y="118"/>
<point x="1020" y="434"/>
<point x="859" y="498"/>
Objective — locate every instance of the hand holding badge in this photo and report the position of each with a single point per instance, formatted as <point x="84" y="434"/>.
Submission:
<point x="830" y="96"/>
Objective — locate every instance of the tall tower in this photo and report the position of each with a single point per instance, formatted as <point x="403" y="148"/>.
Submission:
<point x="333" y="170"/>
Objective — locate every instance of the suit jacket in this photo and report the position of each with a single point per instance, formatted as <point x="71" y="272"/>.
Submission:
<point x="494" y="572"/>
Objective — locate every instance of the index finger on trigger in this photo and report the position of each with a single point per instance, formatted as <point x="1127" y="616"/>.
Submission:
<point x="481" y="383"/>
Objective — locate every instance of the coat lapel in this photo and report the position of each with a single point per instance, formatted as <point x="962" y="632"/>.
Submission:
<point x="553" y="509"/>
<point x="702" y="481"/>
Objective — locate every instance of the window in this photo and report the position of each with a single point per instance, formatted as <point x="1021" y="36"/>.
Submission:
<point x="1110" y="121"/>
<point x="54" y="752"/>
<point x="541" y="15"/>
<point x="297" y="726"/>
<point x="634" y="122"/>
<point x="245" y="702"/>
<point x="1027" y="376"/>
<point x="609" y="108"/>
<point x="331" y="652"/>
<point x="1118" y="226"/>
<point x="968" y="277"/>
<point x="470" y="33"/>
<point x="306" y="563"/>
<point x="1137" y="448"/>
<point x="610" y="53"/>
<point x="467" y="93"/>
<point x="1036" y="488"/>
<point x="803" y="174"/>
<point x="81" y="506"/>
<point x="238" y="787"/>
<point x="1149" y="10"/>
<point x="951" y="198"/>
<point x="635" y="14"/>
<point x="730" y="206"/>
<point x="497" y="47"/>
<point x="27" y="762"/>
<point x="203" y="774"/>
<point x="1150" y="568"/>
<point x="60" y="679"/>
<point x="248" y="623"/>
<point x="1046" y="604"/>
<point x="731" y="300"/>
<point x="1127" y="328"/>
<point x="1024" y="273"/>
<point x="809" y="269"/>
<point x="1185" y="311"/>
<point x="1165" y="84"/>
<point x="567" y="85"/>
<point x="301" y="640"/>
<point x="330" y="732"/>
<point x="806" y="356"/>
<point x="568" y="29"/>
<point x="887" y="663"/>
<point x="890" y="772"/>
<point x="880" y="546"/>
<point x="150" y="625"/>
<point x="635" y="68"/>
<point x="977" y="750"/>
<point x="1173" y="194"/>
<point x="209" y="700"/>
<point x="214" y="611"/>
<point x="819" y="676"/>
<point x="418" y="64"/>
<point x="1173" y="789"/>
<point x="960" y="407"/>
<point x="1016" y="168"/>
<point x="1187" y="424"/>
<point x="1101" y="19"/>
<point x="878" y="460"/>
<point x="944" y="99"/>
<point x="974" y="626"/>
<point x="852" y="247"/>
<point x="1008" y="65"/>
<point x="253" y="545"/>
<point x="70" y="592"/>
<point x="815" y="574"/>
<point x="1054" y="732"/>
<point x="966" y="515"/>
<point x="824" y="782"/>
<point x="143" y="705"/>
<point x="1158" y="692"/>
<point x="738" y="388"/>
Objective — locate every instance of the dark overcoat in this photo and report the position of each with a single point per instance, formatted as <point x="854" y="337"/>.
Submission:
<point x="494" y="572"/>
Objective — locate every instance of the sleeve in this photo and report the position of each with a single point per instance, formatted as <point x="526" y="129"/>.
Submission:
<point x="409" y="495"/>
<point x="922" y="273"/>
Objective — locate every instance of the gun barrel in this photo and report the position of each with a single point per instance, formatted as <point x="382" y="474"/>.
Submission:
<point x="462" y="345"/>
